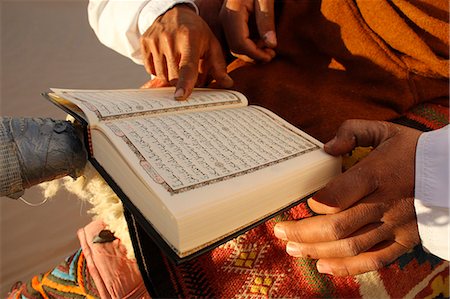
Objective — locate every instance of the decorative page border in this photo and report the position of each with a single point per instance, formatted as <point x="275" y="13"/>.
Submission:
<point x="151" y="171"/>
<point x="94" y="109"/>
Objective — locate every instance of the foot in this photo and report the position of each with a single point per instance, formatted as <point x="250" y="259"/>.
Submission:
<point x="34" y="150"/>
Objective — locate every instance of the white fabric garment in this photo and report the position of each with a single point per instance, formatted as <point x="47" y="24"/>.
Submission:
<point x="432" y="197"/>
<point x="119" y="24"/>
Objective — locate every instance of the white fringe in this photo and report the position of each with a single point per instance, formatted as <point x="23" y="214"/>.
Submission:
<point x="106" y="206"/>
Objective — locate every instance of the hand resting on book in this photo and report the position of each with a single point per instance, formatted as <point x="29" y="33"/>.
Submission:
<point x="369" y="218"/>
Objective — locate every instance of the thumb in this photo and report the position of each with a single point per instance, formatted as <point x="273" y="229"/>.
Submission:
<point x="356" y="132"/>
<point x="265" y="21"/>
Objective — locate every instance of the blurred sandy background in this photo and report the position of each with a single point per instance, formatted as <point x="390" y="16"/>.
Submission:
<point x="48" y="44"/>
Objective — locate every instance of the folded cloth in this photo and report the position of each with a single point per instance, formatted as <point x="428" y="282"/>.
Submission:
<point x="338" y="60"/>
<point x="70" y="279"/>
<point x="96" y="270"/>
<point x="115" y="275"/>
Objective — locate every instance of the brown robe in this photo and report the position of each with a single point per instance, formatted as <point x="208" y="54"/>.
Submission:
<point x="342" y="59"/>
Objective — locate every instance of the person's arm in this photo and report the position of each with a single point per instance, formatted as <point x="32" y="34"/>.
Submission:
<point x="169" y="37"/>
<point x="432" y="196"/>
<point x="120" y="24"/>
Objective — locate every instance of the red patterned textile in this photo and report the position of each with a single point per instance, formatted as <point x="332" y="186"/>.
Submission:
<point x="70" y="279"/>
<point x="432" y="116"/>
<point x="255" y="265"/>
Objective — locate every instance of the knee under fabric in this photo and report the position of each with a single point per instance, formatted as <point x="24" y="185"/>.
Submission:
<point x="34" y="150"/>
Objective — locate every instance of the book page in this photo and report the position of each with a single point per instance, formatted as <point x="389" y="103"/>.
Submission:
<point x="112" y="104"/>
<point x="190" y="150"/>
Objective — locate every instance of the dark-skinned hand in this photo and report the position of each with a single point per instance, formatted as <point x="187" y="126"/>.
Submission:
<point x="235" y="15"/>
<point x="180" y="50"/>
<point x="368" y="217"/>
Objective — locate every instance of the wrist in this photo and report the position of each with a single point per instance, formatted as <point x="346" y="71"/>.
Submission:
<point x="157" y="8"/>
<point x="185" y="6"/>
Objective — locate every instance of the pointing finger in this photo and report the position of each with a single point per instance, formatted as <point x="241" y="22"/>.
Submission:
<point x="188" y="74"/>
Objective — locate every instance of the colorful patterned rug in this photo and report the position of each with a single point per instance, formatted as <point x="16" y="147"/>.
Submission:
<point x="255" y="264"/>
<point x="70" y="279"/>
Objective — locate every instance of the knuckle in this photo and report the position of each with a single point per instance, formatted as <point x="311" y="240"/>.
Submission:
<point x="387" y="127"/>
<point x="335" y="230"/>
<point x="144" y="44"/>
<point x="295" y="236"/>
<point x="293" y="233"/>
<point x="239" y="47"/>
<point x="166" y="37"/>
<point x="351" y="247"/>
<point x="147" y="40"/>
<point x="368" y="177"/>
<point x="341" y="270"/>
<point x="153" y="42"/>
<point x="376" y="211"/>
<point x="349" y="124"/>
<point x="373" y="177"/>
<point x="188" y="66"/>
<point x="150" y="46"/>
<point x="185" y="31"/>
<point x="374" y="263"/>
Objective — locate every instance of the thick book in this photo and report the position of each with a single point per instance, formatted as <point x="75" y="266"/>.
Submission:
<point x="197" y="172"/>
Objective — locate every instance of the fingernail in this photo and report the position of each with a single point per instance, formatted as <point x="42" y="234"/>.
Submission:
<point x="179" y="94"/>
<point x="270" y="38"/>
<point x="279" y="232"/>
<point x="293" y="249"/>
<point x="325" y="269"/>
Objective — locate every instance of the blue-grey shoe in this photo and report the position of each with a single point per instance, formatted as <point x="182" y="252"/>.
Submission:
<point x="34" y="150"/>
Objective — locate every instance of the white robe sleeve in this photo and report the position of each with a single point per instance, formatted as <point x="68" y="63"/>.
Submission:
<point x="119" y="24"/>
<point x="432" y="191"/>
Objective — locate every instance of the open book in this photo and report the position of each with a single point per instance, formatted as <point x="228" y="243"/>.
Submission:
<point x="197" y="171"/>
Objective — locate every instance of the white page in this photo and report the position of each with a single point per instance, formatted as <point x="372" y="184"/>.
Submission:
<point x="187" y="151"/>
<point x="110" y="104"/>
